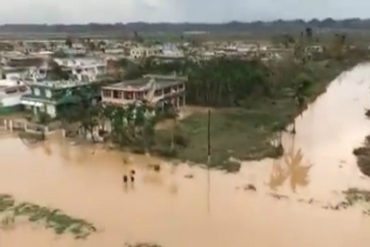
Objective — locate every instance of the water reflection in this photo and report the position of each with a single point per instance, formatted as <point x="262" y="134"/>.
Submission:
<point x="291" y="167"/>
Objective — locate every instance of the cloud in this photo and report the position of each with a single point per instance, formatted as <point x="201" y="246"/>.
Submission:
<point x="111" y="11"/>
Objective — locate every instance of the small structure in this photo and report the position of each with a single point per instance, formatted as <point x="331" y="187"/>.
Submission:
<point x="51" y="97"/>
<point x="140" y="52"/>
<point x="158" y="90"/>
<point x="11" y="92"/>
<point x="83" y="69"/>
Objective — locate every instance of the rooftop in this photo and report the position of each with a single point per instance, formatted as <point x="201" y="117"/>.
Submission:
<point x="144" y="83"/>
<point x="59" y="84"/>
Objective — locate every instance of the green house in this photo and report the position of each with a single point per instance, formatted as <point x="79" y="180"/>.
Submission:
<point x="52" y="97"/>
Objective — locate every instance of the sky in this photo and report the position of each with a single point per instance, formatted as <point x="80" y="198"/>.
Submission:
<point x="212" y="11"/>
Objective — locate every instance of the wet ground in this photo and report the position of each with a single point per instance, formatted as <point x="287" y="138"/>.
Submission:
<point x="182" y="206"/>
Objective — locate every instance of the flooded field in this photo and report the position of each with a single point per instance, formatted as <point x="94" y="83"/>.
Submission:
<point x="182" y="206"/>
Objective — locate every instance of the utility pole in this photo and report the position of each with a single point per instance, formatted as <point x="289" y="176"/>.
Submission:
<point x="209" y="162"/>
<point x="209" y="138"/>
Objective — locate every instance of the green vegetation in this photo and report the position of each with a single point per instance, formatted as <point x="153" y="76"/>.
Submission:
<point x="363" y="154"/>
<point x="251" y="104"/>
<point x="238" y="133"/>
<point x="355" y="195"/>
<point x="226" y="82"/>
<point x="363" y="157"/>
<point x="252" y="101"/>
<point x="51" y="218"/>
<point x="132" y="126"/>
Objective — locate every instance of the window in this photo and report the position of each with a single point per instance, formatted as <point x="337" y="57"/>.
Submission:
<point x="117" y="94"/>
<point x="48" y="93"/>
<point x="37" y="91"/>
<point x="167" y="90"/>
<point x="158" y="92"/>
<point x="139" y="95"/>
<point x="107" y="93"/>
<point x="129" y="95"/>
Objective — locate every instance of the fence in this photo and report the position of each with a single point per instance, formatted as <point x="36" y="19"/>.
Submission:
<point x="14" y="125"/>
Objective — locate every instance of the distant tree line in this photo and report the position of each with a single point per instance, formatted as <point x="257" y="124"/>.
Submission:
<point x="257" y="26"/>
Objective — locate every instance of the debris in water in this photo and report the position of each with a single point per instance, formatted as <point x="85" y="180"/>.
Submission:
<point x="278" y="196"/>
<point x="142" y="245"/>
<point x="189" y="176"/>
<point x="341" y="205"/>
<point x="367" y="113"/>
<point x="155" y="167"/>
<point x="250" y="187"/>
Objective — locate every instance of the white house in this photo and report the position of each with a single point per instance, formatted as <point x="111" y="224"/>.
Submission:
<point x="11" y="92"/>
<point x="84" y="69"/>
<point x="143" y="52"/>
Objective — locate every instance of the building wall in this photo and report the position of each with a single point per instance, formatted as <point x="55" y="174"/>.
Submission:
<point x="11" y="100"/>
<point x="162" y="97"/>
<point x="51" y="110"/>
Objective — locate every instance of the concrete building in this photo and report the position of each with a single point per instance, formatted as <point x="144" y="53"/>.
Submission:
<point x="51" y="97"/>
<point x="11" y="92"/>
<point x="140" y="52"/>
<point x="84" y="69"/>
<point x="158" y="90"/>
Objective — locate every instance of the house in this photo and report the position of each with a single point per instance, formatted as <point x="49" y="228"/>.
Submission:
<point x="313" y="49"/>
<point x="168" y="53"/>
<point x="19" y="60"/>
<point x="158" y="90"/>
<point x="12" y="73"/>
<point x="84" y="69"/>
<point x="140" y="52"/>
<point x="52" y="97"/>
<point x="11" y="92"/>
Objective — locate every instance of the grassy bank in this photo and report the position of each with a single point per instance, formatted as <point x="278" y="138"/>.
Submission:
<point x="246" y="132"/>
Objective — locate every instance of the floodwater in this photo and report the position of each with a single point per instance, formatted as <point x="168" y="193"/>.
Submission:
<point x="185" y="206"/>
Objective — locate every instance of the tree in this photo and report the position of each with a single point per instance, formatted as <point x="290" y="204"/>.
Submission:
<point x="309" y="34"/>
<point x="226" y="82"/>
<point x="138" y="38"/>
<point x="69" y="42"/>
<point x="132" y="126"/>
<point x="56" y="72"/>
<point x="303" y="83"/>
<point x="338" y="45"/>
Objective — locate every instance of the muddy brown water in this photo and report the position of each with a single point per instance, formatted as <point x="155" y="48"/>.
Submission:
<point x="210" y="209"/>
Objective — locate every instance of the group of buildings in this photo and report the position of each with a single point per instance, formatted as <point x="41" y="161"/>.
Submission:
<point x="36" y="80"/>
<point x="43" y="76"/>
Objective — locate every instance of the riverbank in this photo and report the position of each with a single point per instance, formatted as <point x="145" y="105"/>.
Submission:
<point x="251" y="131"/>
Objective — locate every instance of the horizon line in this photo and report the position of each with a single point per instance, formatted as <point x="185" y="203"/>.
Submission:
<point x="185" y="22"/>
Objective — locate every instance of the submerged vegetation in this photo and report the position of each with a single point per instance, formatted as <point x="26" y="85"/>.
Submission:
<point x="356" y="196"/>
<point x="363" y="157"/>
<point x="142" y="245"/>
<point x="363" y="154"/>
<point x="61" y="223"/>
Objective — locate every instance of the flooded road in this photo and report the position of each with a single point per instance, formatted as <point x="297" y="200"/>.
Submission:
<point x="183" y="206"/>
